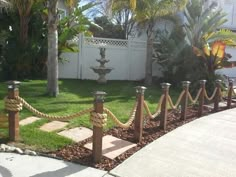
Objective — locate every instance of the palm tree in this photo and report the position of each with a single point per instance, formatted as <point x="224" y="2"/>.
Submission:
<point x="52" y="62"/>
<point x="148" y="12"/>
<point x="133" y="4"/>
<point x="23" y="8"/>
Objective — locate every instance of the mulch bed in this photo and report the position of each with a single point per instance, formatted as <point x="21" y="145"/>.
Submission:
<point x="78" y="154"/>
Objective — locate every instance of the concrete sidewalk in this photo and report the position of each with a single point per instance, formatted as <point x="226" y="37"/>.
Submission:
<point x="15" y="165"/>
<point x="205" y="147"/>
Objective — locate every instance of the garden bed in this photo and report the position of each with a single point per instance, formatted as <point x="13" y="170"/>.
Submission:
<point x="78" y="154"/>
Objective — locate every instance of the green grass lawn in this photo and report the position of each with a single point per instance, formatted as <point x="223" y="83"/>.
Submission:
<point x="76" y="95"/>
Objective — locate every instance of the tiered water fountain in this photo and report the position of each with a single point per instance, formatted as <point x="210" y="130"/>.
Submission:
<point x="102" y="70"/>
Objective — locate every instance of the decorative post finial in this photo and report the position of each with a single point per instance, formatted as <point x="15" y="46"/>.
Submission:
<point x="202" y="82"/>
<point x="140" y="89"/>
<point x="218" y="81"/>
<point x="99" y="96"/>
<point x="165" y="85"/>
<point x="13" y="84"/>
<point x="186" y="84"/>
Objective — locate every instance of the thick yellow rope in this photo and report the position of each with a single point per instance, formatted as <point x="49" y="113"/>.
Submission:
<point x="98" y="120"/>
<point x="12" y="104"/>
<point x="158" y="109"/>
<point x="20" y="101"/>
<point x="196" y="98"/>
<point x="212" y="96"/>
<point x="178" y="101"/>
<point x="117" y="121"/>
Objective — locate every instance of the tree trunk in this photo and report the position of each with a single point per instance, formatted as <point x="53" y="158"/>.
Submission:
<point x="148" y="72"/>
<point x="52" y="63"/>
<point x="24" y="27"/>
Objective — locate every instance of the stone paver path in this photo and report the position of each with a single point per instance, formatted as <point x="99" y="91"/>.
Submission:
<point x="28" y="120"/>
<point x="112" y="146"/>
<point x="77" y="134"/>
<point x="54" y="125"/>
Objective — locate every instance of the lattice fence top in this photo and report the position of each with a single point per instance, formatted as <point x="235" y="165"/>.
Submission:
<point x="74" y="40"/>
<point x="105" y="42"/>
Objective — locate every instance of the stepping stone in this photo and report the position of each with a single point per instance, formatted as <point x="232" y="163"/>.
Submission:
<point x="28" y="120"/>
<point x="221" y="104"/>
<point x="77" y="134"/>
<point x="210" y="107"/>
<point x="112" y="146"/>
<point x="52" y="126"/>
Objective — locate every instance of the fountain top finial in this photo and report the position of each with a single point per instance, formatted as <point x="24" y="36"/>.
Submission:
<point x="102" y="52"/>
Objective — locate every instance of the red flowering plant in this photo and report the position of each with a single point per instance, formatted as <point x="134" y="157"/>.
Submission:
<point x="214" y="55"/>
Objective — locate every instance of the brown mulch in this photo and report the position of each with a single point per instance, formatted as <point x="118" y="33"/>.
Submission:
<point x="78" y="154"/>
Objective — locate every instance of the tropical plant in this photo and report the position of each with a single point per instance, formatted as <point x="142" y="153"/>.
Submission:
<point x="28" y="57"/>
<point x="207" y="41"/>
<point x="117" y="14"/>
<point x="70" y="26"/>
<point x="213" y="53"/>
<point x="201" y="21"/>
<point x="147" y="14"/>
<point x="106" y="28"/>
<point x="123" y="15"/>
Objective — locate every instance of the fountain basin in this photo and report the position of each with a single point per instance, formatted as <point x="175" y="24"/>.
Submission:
<point x="101" y="71"/>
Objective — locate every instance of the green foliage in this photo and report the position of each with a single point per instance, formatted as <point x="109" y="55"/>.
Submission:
<point x="202" y="21"/>
<point x="23" y="61"/>
<point x="28" y="61"/>
<point x="70" y="26"/>
<point x="201" y="30"/>
<point x="107" y="29"/>
<point x="207" y="41"/>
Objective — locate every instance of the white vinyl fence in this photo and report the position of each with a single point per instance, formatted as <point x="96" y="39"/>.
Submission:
<point x="127" y="57"/>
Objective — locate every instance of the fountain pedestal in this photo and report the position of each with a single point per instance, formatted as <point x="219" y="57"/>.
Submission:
<point x="102" y="70"/>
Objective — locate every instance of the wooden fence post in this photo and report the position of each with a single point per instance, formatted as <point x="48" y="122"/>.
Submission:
<point x="230" y="92"/>
<point x="165" y="91"/>
<point x="217" y="96"/>
<point x="98" y="131"/>
<point x="201" y="97"/>
<point x="138" y="123"/>
<point x="184" y="102"/>
<point x="13" y="116"/>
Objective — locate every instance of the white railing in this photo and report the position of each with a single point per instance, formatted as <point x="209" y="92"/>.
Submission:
<point x="91" y="41"/>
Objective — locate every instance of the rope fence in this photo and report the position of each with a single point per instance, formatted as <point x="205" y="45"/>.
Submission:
<point x="158" y="109"/>
<point x="194" y="101"/>
<point x="100" y="114"/>
<point x="177" y="102"/>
